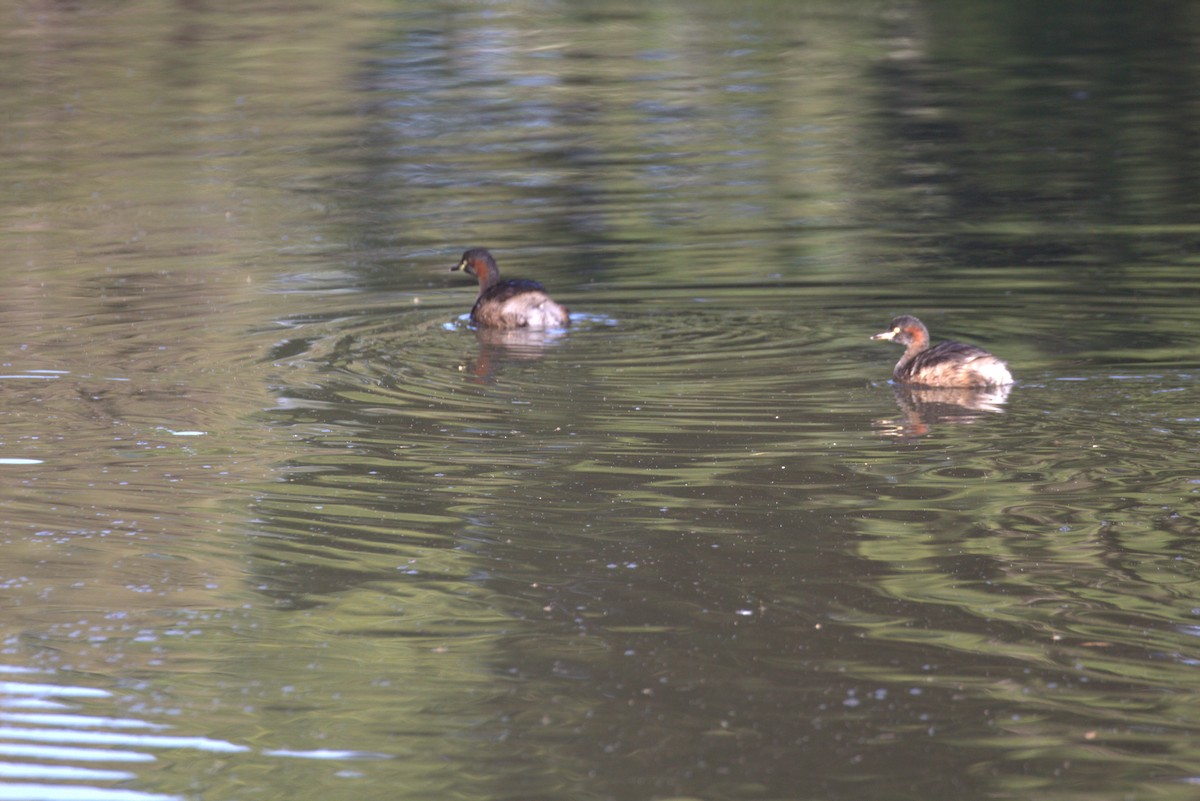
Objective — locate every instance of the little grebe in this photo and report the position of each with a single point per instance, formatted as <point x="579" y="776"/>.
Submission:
<point x="947" y="364"/>
<point x="512" y="303"/>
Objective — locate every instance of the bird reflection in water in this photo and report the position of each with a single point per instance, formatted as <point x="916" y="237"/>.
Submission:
<point x="500" y="345"/>
<point x="922" y="408"/>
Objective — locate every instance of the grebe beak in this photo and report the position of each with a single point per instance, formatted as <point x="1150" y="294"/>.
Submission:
<point x="462" y="265"/>
<point x="887" y="334"/>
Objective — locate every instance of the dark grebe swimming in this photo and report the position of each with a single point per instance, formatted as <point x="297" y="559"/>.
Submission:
<point x="947" y="364"/>
<point x="512" y="303"/>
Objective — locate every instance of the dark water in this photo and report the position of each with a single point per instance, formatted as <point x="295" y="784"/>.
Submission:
<point x="278" y="523"/>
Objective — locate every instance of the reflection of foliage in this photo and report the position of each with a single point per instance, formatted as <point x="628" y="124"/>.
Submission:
<point x="1090" y="546"/>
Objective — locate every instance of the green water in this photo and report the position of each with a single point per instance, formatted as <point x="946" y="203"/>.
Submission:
<point x="279" y="524"/>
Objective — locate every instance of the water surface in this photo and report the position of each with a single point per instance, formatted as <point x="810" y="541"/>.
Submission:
<point x="279" y="523"/>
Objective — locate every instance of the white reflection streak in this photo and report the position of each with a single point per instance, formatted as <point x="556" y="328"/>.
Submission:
<point x="78" y="721"/>
<point x="133" y="740"/>
<point x="23" y="688"/>
<point x="326" y="754"/>
<point x="59" y="792"/>
<point x="67" y="753"/>
<point x="31" y="703"/>
<point x="61" y="773"/>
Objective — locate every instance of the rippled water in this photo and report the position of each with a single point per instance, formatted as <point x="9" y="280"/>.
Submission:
<point x="279" y="523"/>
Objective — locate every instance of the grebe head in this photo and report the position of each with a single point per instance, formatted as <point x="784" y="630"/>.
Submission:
<point x="479" y="263"/>
<point x="906" y="330"/>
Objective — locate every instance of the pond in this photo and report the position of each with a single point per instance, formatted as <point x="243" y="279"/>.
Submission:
<point x="279" y="522"/>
